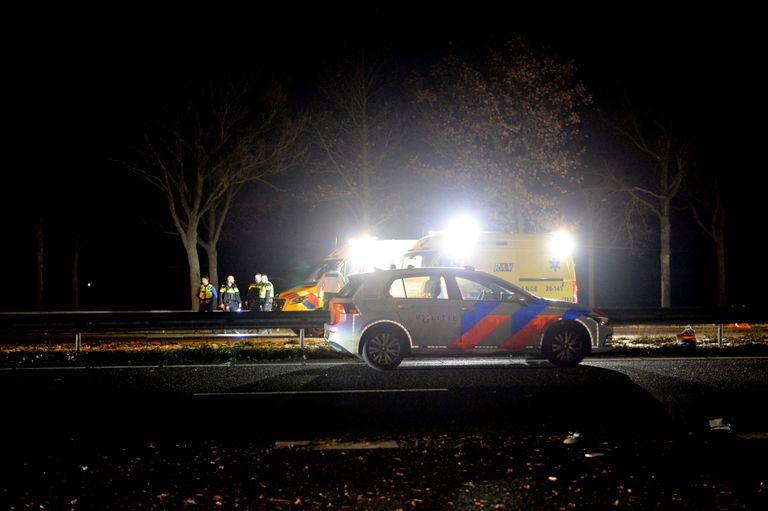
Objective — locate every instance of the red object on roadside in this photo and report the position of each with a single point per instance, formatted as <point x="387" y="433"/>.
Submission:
<point x="688" y="334"/>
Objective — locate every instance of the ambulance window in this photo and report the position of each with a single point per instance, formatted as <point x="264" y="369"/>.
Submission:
<point x="316" y="273"/>
<point x="412" y="261"/>
<point x="346" y="268"/>
<point x="323" y="268"/>
<point x="445" y="260"/>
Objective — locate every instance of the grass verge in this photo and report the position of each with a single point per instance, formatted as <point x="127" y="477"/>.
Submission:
<point x="266" y="349"/>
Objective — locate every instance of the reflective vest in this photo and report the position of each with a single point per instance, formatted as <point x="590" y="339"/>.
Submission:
<point x="267" y="290"/>
<point x="206" y="292"/>
<point x="230" y="296"/>
<point x="227" y="289"/>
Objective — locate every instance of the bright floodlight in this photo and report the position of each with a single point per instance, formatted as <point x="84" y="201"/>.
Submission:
<point x="562" y="245"/>
<point x="460" y="236"/>
<point x="463" y="224"/>
<point x="362" y="248"/>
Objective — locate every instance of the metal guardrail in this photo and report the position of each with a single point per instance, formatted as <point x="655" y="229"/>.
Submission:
<point x="682" y="315"/>
<point x="22" y="322"/>
<point x="155" y="320"/>
<point x="78" y="323"/>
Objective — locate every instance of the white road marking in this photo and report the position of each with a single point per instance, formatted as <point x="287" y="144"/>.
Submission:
<point x="333" y="445"/>
<point x="755" y="435"/>
<point x="315" y="392"/>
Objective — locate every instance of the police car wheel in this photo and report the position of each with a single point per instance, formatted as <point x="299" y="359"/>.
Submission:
<point x="383" y="349"/>
<point x="565" y="345"/>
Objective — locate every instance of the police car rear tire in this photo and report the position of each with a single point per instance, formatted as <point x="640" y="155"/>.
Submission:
<point x="565" y="344"/>
<point x="383" y="349"/>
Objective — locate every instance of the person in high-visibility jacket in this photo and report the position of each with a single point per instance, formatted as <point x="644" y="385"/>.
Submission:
<point x="206" y="295"/>
<point x="229" y="296"/>
<point x="267" y="293"/>
<point x="253" y="298"/>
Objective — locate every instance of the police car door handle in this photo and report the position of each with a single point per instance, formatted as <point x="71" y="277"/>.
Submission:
<point x="467" y="308"/>
<point x="401" y="306"/>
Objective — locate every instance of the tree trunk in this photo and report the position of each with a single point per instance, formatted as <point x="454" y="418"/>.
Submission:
<point x="213" y="265"/>
<point x="194" y="268"/>
<point x="666" y="251"/>
<point x="39" y="263"/>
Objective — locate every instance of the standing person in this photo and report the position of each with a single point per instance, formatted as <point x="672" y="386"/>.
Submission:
<point x="206" y="295"/>
<point x="229" y="296"/>
<point x="267" y="293"/>
<point x="253" y="298"/>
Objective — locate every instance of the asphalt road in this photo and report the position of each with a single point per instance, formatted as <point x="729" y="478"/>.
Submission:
<point x="678" y="431"/>
<point x="481" y="393"/>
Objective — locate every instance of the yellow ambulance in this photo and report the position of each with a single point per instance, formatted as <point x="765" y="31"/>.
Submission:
<point x="357" y="256"/>
<point x="539" y="263"/>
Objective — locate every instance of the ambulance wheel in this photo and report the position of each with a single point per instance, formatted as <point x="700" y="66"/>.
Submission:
<point x="383" y="348"/>
<point x="565" y="344"/>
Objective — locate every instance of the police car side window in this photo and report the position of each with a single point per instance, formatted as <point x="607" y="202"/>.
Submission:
<point x="475" y="291"/>
<point x="397" y="289"/>
<point x="419" y="287"/>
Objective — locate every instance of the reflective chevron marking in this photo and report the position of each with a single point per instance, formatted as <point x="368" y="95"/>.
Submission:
<point x="525" y="325"/>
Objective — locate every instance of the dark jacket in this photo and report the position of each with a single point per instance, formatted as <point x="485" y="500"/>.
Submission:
<point x="230" y="297"/>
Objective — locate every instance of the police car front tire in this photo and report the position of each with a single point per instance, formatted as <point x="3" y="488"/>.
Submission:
<point x="383" y="349"/>
<point x="565" y="345"/>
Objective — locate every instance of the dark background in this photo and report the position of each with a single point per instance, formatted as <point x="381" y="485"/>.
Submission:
<point x="84" y="87"/>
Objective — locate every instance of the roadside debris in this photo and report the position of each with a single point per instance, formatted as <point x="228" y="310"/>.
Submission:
<point x="572" y="438"/>
<point x="687" y="337"/>
<point x="718" y="425"/>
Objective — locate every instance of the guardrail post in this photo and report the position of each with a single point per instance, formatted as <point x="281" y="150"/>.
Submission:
<point x="301" y="342"/>
<point x="720" y="337"/>
<point x="78" y="341"/>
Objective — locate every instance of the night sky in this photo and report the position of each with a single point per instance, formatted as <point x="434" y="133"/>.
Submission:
<point x="83" y="93"/>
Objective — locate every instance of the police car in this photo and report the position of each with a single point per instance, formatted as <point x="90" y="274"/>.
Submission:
<point x="386" y="316"/>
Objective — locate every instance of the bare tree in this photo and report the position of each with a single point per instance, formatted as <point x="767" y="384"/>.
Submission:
<point x="654" y="191"/>
<point x="358" y="137"/>
<point x="708" y="207"/>
<point x="503" y="126"/>
<point x="594" y="217"/>
<point x="269" y="148"/>
<point x="204" y="160"/>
